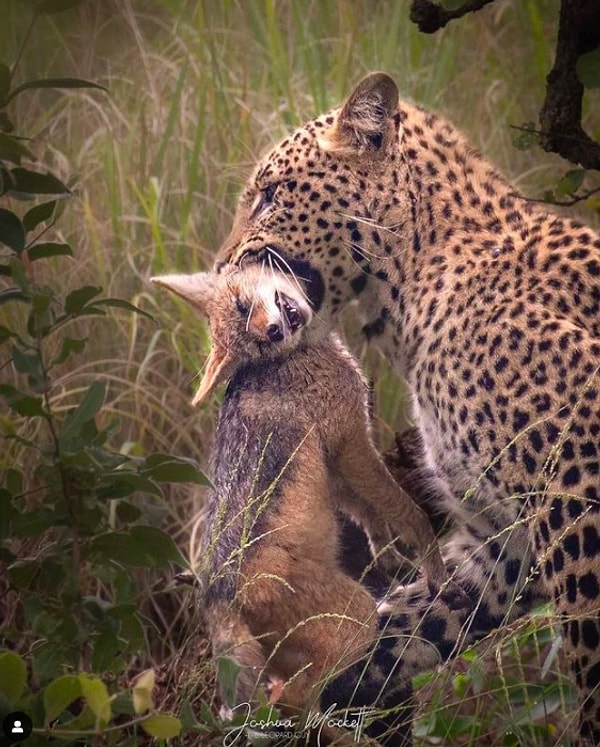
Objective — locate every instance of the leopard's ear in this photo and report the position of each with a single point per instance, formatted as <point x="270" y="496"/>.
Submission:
<point x="197" y="289"/>
<point x="364" y="123"/>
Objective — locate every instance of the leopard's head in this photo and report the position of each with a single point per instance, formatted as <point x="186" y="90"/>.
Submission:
<point x="316" y="202"/>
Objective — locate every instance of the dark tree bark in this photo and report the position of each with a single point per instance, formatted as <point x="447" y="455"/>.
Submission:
<point x="561" y="130"/>
<point x="560" y="117"/>
<point x="429" y="16"/>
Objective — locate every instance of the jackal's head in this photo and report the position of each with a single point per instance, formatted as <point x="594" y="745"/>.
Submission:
<point x="253" y="313"/>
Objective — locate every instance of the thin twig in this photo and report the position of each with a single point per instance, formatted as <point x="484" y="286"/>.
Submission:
<point x="566" y="203"/>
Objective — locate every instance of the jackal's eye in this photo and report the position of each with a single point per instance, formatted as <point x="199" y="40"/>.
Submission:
<point x="241" y="307"/>
<point x="263" y="199"/>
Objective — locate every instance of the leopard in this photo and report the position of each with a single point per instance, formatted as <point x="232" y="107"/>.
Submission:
<point x="487" y="304"/>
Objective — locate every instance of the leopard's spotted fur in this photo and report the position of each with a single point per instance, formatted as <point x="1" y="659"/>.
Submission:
<point x="489" y="306"/>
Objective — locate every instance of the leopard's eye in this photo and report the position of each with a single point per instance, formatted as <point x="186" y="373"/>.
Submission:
<point x="241" y="307"/>
<point x="269" y="193"/>
<point x="263" y="200"/>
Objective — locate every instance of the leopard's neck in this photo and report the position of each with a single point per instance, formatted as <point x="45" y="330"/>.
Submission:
<point x="455" y="213"/>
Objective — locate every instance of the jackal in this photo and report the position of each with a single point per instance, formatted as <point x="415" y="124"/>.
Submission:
<point x="293" y="444"/>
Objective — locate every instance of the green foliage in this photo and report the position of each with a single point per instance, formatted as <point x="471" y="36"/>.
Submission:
<point x="570" y="183"/>
<point x="506" y="694"/>
<point x="567" y="189"/>
<point x="526" y="137"/>
<point x="71" y="529"/>
<point x="588" y="68"/>
<point x="81" y="707"/>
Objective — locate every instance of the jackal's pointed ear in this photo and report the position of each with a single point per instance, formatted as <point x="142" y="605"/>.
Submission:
<point x="365" y="121"/>
<point x="218" y="368"/>
<point x="197" y="289"/>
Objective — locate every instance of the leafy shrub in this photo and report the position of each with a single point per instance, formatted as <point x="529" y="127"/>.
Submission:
<point x="506" y="691"/>
<point x="72" y="535"/>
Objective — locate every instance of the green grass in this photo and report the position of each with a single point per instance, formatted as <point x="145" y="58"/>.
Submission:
<point x="197" y="91"/>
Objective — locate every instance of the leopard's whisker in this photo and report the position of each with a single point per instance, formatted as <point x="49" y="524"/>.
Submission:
<point x="253" y="302"/>
<point x="273" y="252"/>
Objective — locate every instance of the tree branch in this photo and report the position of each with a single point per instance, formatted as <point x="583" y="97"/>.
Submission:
<point x="560" y="116"/>
<point x="561" y="130"/>
<point x="429" y="16"/>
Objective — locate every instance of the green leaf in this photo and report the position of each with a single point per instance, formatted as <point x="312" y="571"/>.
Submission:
<point x="84" y="721"/>
<point x="188" y="717"/>
<point x="161" y="547"/>
<point x="39" y="214"/>
<point x="526" y="137"/>
<point x="49" y="249"/>
<point x="206" y="715"/>
<point x="27" y="363"/>
<point x="29" y="183"/>
<point x="23" y="573"/>
<point x="96" y="695"/>
<point x="54" y="83"/>
<point x="14" y="147"/>
<point x="227" y="674"/>
<point x="118" y="303"/>
<point x="7" y="126"/>
<point x="167" y="468"/>
<point x="13" y="676"/>
<point x="422" y="679"/>
<point x="21" y="403"/>
<point x="588" y="68"/>
<point x="59" y="694"/>
<point x="12" y="233"/>
<point x="7" y="514"/>
<point x="41" y="318"/>
<point x="48" y="661"/>
<point x="127" y="512"/>
<point x="94" y="609"/>
<point x="70" y="346"/>
<point x="107" y="648"/>
<point x="142" y="547"/>
<point x="5" y="79"/>
<point x="570" y="182"/>
<point x="6" y="556"/>
<point x="142" y="692"/>
<point x="162" y="726"/>
<point x="84" y="412"/>
<point x="14" y="481"/>
<point x="77" y="300"/>
<point x="123" y="483"/>
<point x="551" y="657"/>
<point x="122" y="548"/>
<point x="41" y="299"/>
<point x="133" y="632"/>
<point x="19" y="273"/>
<point x="30" y="524"/>
<point x="6" y="334"/>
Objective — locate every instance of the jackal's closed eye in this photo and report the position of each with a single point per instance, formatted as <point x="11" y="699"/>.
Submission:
<point x="241" y="307"/>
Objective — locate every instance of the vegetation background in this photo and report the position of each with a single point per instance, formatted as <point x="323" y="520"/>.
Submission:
<point x="197" y="89"/>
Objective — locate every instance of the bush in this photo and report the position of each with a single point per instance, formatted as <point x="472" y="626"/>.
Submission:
<point x="73" y="532"/>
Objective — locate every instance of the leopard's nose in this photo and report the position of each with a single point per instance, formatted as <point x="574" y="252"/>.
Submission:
<point x="274" y="333"/>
